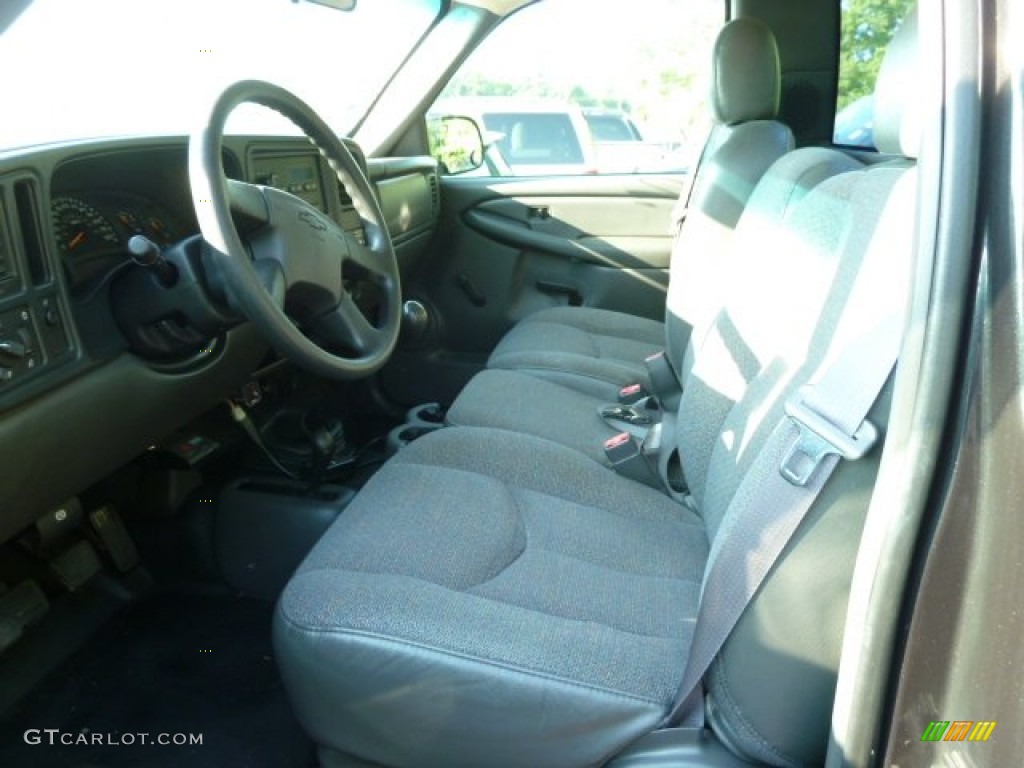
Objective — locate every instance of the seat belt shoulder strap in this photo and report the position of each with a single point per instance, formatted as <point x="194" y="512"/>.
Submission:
<point x="774" y="497"/>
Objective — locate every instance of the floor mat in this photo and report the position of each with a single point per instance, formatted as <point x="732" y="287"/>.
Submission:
<point x="172" y="668"/>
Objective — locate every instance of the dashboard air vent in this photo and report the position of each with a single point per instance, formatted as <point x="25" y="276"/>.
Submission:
<point x="6" y="254"/>
<point x="26" y="201"/>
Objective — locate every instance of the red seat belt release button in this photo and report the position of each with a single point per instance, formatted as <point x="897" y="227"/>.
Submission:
<point x="620" y="448"/>
<point x="632" y="393"/>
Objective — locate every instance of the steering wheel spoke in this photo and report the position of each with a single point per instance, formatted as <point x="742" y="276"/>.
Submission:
<point x="346" y="325"/>
<point x="368" y="258"/>
<point x="248" y="205"/>
<point x="271" y="277"/>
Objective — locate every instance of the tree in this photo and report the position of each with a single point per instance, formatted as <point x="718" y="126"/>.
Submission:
<point x="868" y="26"/>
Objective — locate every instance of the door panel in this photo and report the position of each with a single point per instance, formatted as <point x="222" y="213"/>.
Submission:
<point x="508" y="247"/>
<point x="599" y="230"/>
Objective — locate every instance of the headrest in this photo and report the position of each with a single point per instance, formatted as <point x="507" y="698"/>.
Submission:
<point x="898" y="91"/>
<point x="745" y="73"/>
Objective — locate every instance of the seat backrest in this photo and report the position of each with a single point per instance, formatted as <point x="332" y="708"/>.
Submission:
<point x="770" y="691"/>
<point x="744" y="141"/>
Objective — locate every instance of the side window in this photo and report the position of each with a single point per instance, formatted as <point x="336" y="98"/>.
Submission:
<point x="536" y="138"/>
<point x="867" y="28"/>
<point x="568" y="87"/>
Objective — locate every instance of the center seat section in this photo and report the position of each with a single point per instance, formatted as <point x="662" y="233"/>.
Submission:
<point x="521" y="402"/>
<point x="598" y="351"/>
<point x="554" y="372"/>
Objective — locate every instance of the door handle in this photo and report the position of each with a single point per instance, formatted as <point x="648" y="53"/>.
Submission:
<point x="476" y="298"/>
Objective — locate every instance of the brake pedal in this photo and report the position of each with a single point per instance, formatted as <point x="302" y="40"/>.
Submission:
<point x="115" y="538"/>
<point x="76" y="565"/>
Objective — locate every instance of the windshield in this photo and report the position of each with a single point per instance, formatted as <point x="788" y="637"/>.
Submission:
<point x="97" y="68"/>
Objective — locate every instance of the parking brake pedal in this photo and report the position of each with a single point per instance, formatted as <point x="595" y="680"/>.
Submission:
<point x="21" y="606"/>
<point x="115" y="538"/>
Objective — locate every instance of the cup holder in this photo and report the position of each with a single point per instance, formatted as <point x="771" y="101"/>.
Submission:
<point x="409" y="433"/>
<point x="427" y="413"/>
<point x="428" y="417"/>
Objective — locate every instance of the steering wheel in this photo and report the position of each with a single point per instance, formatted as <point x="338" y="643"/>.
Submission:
<point x="290" y="265"/>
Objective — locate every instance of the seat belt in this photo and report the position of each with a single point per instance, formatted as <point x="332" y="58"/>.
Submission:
<point x="823" y="421"/>
<point x="682" y="204"/>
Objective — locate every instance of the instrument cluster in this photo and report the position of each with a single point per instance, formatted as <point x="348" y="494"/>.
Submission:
<point x="92" y="229"/>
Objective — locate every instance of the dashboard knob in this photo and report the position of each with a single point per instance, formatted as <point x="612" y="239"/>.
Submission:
<point x="13" y="348"/>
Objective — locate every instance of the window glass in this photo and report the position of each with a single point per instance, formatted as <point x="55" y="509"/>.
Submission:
<point x="75" y="70"/>
<point x="867" y="28"/>
<point x="543" y="138"/>
<point x="591" y="86"/>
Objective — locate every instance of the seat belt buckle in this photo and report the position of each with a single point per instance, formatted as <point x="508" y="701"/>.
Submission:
<point x="818" y="437"/>
<point x="664" y="384"/>
<point x="625" y="454"/>
<point x="620" y="448"/>
<point x="635" y="419"/>
<point x="632" y="393"/>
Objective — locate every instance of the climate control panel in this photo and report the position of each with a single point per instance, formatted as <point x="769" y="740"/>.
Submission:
<point x="30" y="337"/>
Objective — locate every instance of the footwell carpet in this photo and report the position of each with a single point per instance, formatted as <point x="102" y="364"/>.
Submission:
<point x="193" y="671"/>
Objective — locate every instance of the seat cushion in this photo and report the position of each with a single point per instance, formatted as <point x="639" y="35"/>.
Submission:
<point x="492" y="599"/>
<point x="521" y="402"/>
<point x="595" y="351"/>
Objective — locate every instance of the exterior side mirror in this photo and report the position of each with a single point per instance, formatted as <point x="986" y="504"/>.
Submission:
<point x="456" y="142"/>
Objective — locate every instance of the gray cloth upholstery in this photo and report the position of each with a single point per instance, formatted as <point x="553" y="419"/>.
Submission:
<point x="519" y="402"/>
<point x="745" y="75"/>
<point x="594" y="350"/>
<point x="494" y="598"/>
<point x="769" y="318"/>
<point x="426" y="589"/>
<point x="739" y="206"/>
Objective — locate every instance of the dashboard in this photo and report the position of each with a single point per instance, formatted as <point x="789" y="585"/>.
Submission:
<point x="82" y="390"/>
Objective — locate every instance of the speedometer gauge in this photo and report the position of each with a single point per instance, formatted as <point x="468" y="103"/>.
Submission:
<point x="80" y="228"/>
